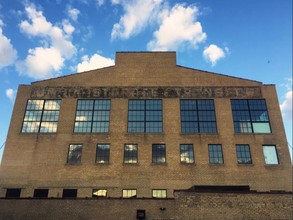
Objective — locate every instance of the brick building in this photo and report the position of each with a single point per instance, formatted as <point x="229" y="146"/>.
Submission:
<point x="146" y="131"/>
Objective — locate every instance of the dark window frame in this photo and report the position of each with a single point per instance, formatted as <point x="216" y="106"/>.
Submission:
<point x="129" y="157"/>
<point x="216" y="156"/>
<point x="200" y="114"/>
<point x="147" y="112"/>
<point x="45" y="116"/>
<point x="41" y="193"/>
<point x="243" y="154"/>
<point x="244" y="112"/>
<point x="103" y="110"/>
<point x="69" y="193"/>
<point x="13" y="193"/>
<point x="156" y="154"/>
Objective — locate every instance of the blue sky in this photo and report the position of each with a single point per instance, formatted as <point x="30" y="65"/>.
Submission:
<point x="249" y="39"/>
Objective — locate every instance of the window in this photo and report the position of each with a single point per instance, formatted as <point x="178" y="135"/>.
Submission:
<point x="103" y="153"/>
<point x="216" y="154"/>
<point x="13" y="193"/>
<point x="198" y="116"/>
<point x="130" y="153"/>
<point x="145" y="116"/>
<point x="69" y="193"/>
<point x="159" y="153"/>
<point x="41" y="116"/>
<point x="250" y="116"/>
<point x="186" y="153"/>
<point x="74" y="154"/>
<point x="243" y="154"/>
<point x="41" y="193"/>
<point x="99" y="193"/>
<point x="129" y="193"/>
<point x="270" y="154"/>
<point x="159" y="193"/>
<point x="92" y="116"/>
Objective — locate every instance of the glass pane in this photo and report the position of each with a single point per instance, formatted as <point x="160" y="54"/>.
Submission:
<point x="130" y="153"/>
<point x="52" y="104"/>
<point x="205" y="104"/>
<point x="83" y="116"/>
<point x="101" y="116"/>
<point x="99" y="193"/>
<point x="48" y="127"/>
<point x="242" y="127"/>
<point x="259" y="115"/>
<point x="261" y="127"/>
<point x="85" y="104"/>
<point x="74" y="154"/>
<point x="35" y="105"/>
<point x="103" y="153"/>
<point x="270" y="155"/>
<point x="30" y="127"/>
<point x="100" y="127"/>
<point x="136" y="116"/>
<point x="154" y="127"/>
<point x="33" y="116"/>
<point x="82" y="127"/>
<point x="153" y="115"/>
<point x="153" y="104"/>
<point x="135" y="126"/>
<point x="102" y="104"/>
<point x="188" y="105"/>
<point x="188" y="116"/>
<point x="50" y="116"/>
<point x="189" y="127"/>
<point x="136" y="105"/>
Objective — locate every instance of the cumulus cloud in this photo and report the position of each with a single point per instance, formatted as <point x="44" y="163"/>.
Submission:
<point x="95" y="62"/>
<point x="73" y="13"/>
<point x="213" y="53"/>
<point x="43" y="62"/>
<point x="7" y="53"/>
<point x="178" y="27"/>
<point x="138" y="13"/>
<point x="100" y="2"/>
<point x="10" y="93"/>
<point x="286" y="106"/>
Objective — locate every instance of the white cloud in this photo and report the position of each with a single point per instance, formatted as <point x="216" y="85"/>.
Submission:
<point x="38" y="66"/>
<point x="178" y="27"/>
<point x="100" y="2"/>
<point x="286" y="106"/>
<point x="213" y="54"/>
<point x="7" y="53"/>
<point x="43" y="62"/>
<point x="73" y="13"/>
<point x="95" y="62"/>
<point x="10" y="93"/>
<point x="138" y="13"/>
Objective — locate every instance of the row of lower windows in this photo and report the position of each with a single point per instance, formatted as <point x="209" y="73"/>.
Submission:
<point x="72" y="193"/>
<point x="144" y="116"/>
<point x="186" y="154"/>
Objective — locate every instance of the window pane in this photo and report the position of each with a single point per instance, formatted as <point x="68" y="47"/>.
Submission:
<point x="135" y="126"/>
<point x="129" y="193"/>
<point x="99" y="193"/>
<point x="261" y="127"/>
<point x="159" y="193"/>
<point x="243" y="154"/>
<point x="30" y="127"/>
<point x="48" y="127"/>
<point x="35" y="105"/>
<point x="159" y="153"/>
<point x="52" y="104"/>
<point x="33" y="116"/>
<point x="130" y="153"/>
<point x="270" y="154"/>
<point x="82" y="127"/>
<point x="85" y="105"/>
<point x="74" y="154"/>
<point x="186" y="153"/>
<point x="103" y="153"/>
<point x="215" y="154"/>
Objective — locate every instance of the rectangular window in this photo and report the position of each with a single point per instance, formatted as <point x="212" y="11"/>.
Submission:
<point x="41" y="116"/>
<point x="103" y="153"/>
<point x="130" y="153"/>
<point x="99" y="193"/>
<point x="92" y="116"/>
<point x="159" y="193"/>
<point x="74" y="154"/>
<point x="145" y="116"/>
<point x="41" y="193"/>
<point x="198" y="116"/>
<point x="243" y="154"/>
<point x="69" y="193"/>
<point x="13" y="193"/>
<point x="250" y="116"/>
<point x="129" y="193"/>
<point x="159" y="153"/>
<point x="216" y="154"/>
<point x="270" y="154"/>
<point x="186" y="153"/>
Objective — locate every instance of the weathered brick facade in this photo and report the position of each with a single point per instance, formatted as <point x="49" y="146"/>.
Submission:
<point x="38" y="160"/>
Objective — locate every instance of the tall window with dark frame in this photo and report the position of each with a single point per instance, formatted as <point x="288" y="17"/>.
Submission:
<point x="92" y="116"/>
<point x="186" y="153"/>
<point x="216" y="154"/>
<point x="103" y="153"/>
<point x="158" y="153"/>
<point x="250" y="116"/>
<point x="198" y="116"/>
<point x="243" y="154"/>
<point x="74" y="154"/>
<point x="130" y="153"/>
<point x="145" y="116"/>
<point x="41" y="116"/>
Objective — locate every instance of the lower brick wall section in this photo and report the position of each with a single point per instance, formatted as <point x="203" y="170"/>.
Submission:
<point x="185" y="205"/>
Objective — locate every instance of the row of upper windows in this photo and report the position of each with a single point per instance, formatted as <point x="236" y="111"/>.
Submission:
<point x="72" y="193"/>
<point x="186" y="154"/>
<point x="144" y="116"/>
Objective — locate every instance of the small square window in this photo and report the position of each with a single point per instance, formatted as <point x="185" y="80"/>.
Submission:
<point x="41" y="193"/>
<point x="13" y="193"/>
<point x="159" y="193"/>
<point x="69" y="193"/>
<point x="270" y="155"/>
<point x="99" y="193"/>
<point x="129" y="193"/>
